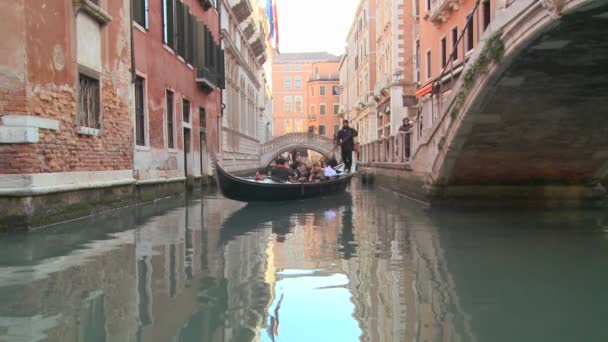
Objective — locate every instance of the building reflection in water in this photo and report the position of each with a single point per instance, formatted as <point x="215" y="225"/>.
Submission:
<point x="340" y="268"/>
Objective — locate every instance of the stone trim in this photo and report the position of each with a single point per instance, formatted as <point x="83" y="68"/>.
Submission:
<point x="29" y="121"/>
<point x="88" y="131"/>
<point x="46" y="183"/>
<point x="96" y="12"/>
<point x="18" y="135"/>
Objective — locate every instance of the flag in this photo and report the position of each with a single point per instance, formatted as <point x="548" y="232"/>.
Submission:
<point x="270" y="18"/>
<point x="276" y="24"/>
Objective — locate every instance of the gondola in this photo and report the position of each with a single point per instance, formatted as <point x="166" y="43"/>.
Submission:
<point x="249" y="190"/>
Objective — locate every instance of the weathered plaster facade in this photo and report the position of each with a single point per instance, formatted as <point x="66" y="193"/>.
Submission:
<point x="164" y="69"/>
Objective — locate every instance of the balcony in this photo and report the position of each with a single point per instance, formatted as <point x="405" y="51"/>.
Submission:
<point x="209" y="60"/>
<point x="442" y="9"/>
<point x="248" y="28"/>
<point x="323" y="77"/>
<point x="242" y="9"/>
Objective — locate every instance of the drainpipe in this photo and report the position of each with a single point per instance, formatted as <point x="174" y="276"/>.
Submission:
<point x="133" y="73"/>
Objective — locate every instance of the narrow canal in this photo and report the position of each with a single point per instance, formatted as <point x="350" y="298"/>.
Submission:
<point x="368" y="266"/>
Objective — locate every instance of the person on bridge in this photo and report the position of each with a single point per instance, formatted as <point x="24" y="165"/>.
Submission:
<point x="345" y="139"/>
<point x="281" y="171"/>
<point x="406" y="127"/>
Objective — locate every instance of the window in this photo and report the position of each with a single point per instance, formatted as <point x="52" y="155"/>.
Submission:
<point x="140" y="12"/>
<point x="88" y="102"/>
<point x="313" y="110"/>
<point x="298" y="68"/>
<point x="179" y="23"/>
<point x="202" y="119"/>
<point x="444" y="56"/>
<point x="287" y="103"/>
<point x="140" y="124"/>
<point x="288" y="68"/>
<point x="428" y="5"/>
<point x="321" y="129"/>
<point x="288" y="126"/>
<point x="288" y="83"/>
<point x="322" y="109"/>
<point x="322" y="91"/>
<point x="417" y="60"/>
<point x="428" y="64"/>
<point x="487" y="15"/>
<point x="298" y="103"/>
<point x="316" y="72"/>
<point x="186" y="110"/>
<point x="298" y="82"/>
<point x="312" y="91"/>
<point x="336" y="129"/>
<point x="336" y="108"/>
<point x="168" y="23"/>
<point x="335" y="90"/>
<point x="170" y="142"/>
<point x="454" y="43"/>
<point x="470" y="33"/>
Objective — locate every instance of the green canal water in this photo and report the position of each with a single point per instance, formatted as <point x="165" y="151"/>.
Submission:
<point x="367" y="266"/>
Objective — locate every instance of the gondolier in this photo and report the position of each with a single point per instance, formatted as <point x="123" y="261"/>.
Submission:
<point x="345" y="139"/>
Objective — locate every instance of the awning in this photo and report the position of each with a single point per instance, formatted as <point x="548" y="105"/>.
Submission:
<point x="424" y="90"/>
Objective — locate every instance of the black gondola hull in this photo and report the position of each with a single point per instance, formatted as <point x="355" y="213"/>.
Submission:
<point x="247" y="191"/>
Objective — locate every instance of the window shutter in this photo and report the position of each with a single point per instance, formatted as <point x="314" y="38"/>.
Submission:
<point x="179" y="24"/>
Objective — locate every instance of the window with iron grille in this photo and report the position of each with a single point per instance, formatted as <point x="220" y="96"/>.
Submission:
<point x="140" y="119"/>
<point x="170" y="134"/>
<point x="88" y="102"/>
<point x="186" y="110"/>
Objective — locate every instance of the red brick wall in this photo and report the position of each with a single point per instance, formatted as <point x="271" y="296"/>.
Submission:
<point x="47" y="88"/>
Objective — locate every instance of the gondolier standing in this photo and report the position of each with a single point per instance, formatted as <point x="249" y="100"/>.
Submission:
<point x="345" y="139"/>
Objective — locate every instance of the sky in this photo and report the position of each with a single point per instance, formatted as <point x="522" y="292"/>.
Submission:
<point x="314" y="25"/>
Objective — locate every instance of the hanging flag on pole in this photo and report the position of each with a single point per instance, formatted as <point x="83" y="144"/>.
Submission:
<point x="270" y="18"/>
<point x="276" y="25"/>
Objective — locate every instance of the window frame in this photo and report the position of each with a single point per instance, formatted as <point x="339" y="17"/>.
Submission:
<point x="444" y="53"/>
<point x="145" y="7"/>
<point x="322" y="91"/>
<point x="324" y="133"/>
<point x="169" y="119"/>
<point x="285" y="102"/>
<point x="184" y="102"/>
<point x="429" y="61"/>
<point x="322" y="109"/>
<point x="336" y="111"/>
<point x="144" y="112"/>
<point x="287" y="82"/>
<point x="96" y="76"/>
<point x="454" y="43"/>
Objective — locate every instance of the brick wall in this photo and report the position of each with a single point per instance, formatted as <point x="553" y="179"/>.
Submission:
<point x="47" y="88"/>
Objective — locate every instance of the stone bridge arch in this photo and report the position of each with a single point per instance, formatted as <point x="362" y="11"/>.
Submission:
<point x="271" y="149"/>
<point x="532" y="125"/>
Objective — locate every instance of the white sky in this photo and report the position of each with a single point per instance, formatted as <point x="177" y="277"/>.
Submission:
<point x="314" y="25"/>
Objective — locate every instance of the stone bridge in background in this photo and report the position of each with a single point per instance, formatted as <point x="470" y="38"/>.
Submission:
<point x="273" y="148"/>
<point x="528" y="119"/>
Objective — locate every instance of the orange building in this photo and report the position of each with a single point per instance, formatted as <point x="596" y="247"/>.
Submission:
<point x="323" y="98"/>
<point x="298" y="78"/>
<point x="444" y="32"/>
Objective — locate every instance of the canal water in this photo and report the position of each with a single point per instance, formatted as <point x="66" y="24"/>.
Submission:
<point x="367" y="266"/>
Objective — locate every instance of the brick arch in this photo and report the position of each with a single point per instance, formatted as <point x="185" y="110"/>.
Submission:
<point x="290" y="141"/>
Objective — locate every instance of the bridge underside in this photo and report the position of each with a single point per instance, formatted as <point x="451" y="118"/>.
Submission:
<point x="545" y="122"/>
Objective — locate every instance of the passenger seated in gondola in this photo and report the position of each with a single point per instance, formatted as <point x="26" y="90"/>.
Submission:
<point x="302" y="173"/>
<point x="328" y="171"/>
<point x="281" y="171"/>
<point x="316" y="174"/>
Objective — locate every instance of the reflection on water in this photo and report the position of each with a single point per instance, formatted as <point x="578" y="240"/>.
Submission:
<point x="368" y="266"/>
